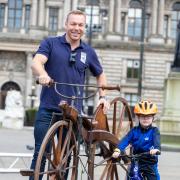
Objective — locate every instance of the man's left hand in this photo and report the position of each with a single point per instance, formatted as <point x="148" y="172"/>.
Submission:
<point x="105" y="104"/>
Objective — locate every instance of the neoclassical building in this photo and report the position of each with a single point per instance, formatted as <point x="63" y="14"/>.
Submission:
<point x="113" y="28"/>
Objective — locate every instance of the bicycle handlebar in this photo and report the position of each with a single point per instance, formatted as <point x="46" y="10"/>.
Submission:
<point x="139" y="155"/>
<point x="53" y="83"/>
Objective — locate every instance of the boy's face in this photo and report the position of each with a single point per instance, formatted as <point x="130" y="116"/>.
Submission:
<point x="145" y="120"/>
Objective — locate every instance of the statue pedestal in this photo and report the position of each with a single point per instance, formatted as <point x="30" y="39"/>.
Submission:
<point x="13" y="123"/>
<point x="12" y="118"/>
<point x="169" y="123"/>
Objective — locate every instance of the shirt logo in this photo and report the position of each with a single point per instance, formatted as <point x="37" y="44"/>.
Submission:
<point x="83" y="57"/>
<point x="146" y="138"/>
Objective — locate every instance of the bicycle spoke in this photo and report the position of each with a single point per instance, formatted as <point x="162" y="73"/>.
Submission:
<point x="115" y="172"/>
<point x="109" y="172"/>
<point x="51" y="162"/>
<point x="57" y="148"/>
<point x="60" y="139"/>
<point x="65" y="159"/>
<point x="105" y="171"/>
<point x="54" y="150"/>
<point x="66" y="141"/>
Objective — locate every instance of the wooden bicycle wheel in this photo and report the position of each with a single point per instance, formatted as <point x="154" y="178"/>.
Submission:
<point x="58" y="147"/>
<point x="102" y="165"/>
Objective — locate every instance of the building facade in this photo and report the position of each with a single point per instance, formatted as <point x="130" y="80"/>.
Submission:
<point x="113" y="28"/>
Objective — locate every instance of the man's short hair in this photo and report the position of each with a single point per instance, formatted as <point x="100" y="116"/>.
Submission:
<point x="75" y="12"/>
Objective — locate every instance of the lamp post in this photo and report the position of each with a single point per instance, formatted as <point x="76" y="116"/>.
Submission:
<point x="89" y="42"/>
<point x="143" y="17"/>
<point x="90" y="24"/>
<point x="32" y="96"/>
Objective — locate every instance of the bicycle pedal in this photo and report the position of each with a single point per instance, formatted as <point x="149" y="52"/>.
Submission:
<point x="98" y="154"/>
<point x="27" y="172"/>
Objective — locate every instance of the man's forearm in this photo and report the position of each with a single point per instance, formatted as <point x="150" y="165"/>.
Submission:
<point x="101" y="81"/>
<point x="38" y="65"/>
<point x="38" y="69"/>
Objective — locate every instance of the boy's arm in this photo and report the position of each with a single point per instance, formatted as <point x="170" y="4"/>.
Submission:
<point x="125" y="141"/>
<point x="156" y="142"/>
<point x="157" y="139"/>
<point x="122" y="145"/>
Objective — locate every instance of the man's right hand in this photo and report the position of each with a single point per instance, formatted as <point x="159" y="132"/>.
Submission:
<point x="44" y="80"/>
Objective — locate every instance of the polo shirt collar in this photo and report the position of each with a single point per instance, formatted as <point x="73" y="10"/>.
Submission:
<point x="63" y="40"/>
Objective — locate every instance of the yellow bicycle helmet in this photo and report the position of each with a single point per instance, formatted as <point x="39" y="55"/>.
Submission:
<point x="145" y="107"/>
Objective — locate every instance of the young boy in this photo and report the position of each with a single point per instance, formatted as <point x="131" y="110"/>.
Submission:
<point x="143" y="138"/>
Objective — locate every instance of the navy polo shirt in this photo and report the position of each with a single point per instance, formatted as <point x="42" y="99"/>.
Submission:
<point x="60" y="69"/>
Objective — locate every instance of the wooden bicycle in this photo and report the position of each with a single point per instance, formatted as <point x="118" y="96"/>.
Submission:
<point x="61" y="144"/>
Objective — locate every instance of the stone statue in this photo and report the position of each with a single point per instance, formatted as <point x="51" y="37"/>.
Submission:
<point x="14" y="103"/>
<point x="13" y="99"/>
<point x="176" y="63"/>
<point x="13" y="114"/>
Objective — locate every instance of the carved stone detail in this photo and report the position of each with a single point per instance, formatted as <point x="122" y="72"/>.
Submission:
<point x="12" y="61"/>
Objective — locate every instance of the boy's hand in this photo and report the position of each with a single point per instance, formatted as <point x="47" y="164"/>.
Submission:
<point x="154" y="151"/>
<point x="116" y="153"/>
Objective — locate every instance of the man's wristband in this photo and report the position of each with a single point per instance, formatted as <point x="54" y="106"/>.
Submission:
<point x="102" y="97"/>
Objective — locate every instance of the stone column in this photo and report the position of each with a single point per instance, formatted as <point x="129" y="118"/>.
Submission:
<point x="157" y="22"/>
<point x="75" y="4"/>
<point x="161" y="17"/>
<point x="60" y="19"/>
<point x="126" y="27"/>
<point x="111" y="16"/>
<point x="41" y="13"/>
<point x="34" y="13"/>
<point x="47" y="17"/>
<point x="5" y="18"/>
<point x="118" y="16"/>
<point x="154" y="16"/>
<point x="29" y="58"/>
<point x="67" y="8"/>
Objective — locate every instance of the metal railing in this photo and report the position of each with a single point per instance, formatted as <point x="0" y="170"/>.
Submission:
<point x="13" y="162"/>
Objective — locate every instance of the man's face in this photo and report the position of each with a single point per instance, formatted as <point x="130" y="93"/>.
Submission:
<point x="75" y="27"/>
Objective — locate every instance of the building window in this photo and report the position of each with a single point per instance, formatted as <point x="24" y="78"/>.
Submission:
<point x="14" y="14"/>
<point x="165" y="34"/>
<point x="132" y="100"/>
<point x="147" y="20"/>
<point x="175" y="16"/>
<point x="123" y="20"/>
<point x="27" y="17"/>
<point x="132" y="69"/>
<point x="93" y="19"/>
<point x="2" y="11"/>
<point x="135" y="21"/>
<point x="53" y="20"/>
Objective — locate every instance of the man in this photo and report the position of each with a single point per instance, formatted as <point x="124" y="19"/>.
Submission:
<point x="63" y="59"/>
